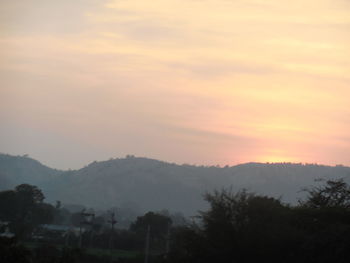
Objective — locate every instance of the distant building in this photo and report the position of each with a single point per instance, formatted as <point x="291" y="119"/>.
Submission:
<point x="59" y="230"/>
<point x="7" y="233"/>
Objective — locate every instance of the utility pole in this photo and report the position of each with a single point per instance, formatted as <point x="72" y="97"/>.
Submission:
<point x="92" y="219"/>
<point x="147" y="243"/>
<point x="85" y="220"/>
<point x="167" y="245"/>
<point x="112" y="222"/>
<point x="80" y="235"/>
<point x="67" y="238"/>
<point x="91" y="238"/>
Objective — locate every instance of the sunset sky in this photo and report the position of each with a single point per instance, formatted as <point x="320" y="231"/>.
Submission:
<point x="187" y="81"/>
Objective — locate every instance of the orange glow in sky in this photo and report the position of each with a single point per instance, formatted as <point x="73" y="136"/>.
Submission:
<point x="187" y="81"/>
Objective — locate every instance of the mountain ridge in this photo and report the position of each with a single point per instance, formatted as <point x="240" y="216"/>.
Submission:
<point x="150" y="184"/>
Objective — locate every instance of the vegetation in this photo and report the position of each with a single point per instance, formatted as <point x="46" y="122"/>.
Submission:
<point x="237" y="227"/>
<point x="138" y="185"/>
<point x="23" y="207"/>
<point x="244" y="227"/>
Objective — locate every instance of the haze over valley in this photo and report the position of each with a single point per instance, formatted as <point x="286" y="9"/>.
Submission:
<point x="146" y="184"/>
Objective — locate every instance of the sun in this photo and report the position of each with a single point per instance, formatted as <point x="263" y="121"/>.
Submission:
<point x="276" y="159"/>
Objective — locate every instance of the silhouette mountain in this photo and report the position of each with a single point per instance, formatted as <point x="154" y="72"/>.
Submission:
<point x="148" y="184"/>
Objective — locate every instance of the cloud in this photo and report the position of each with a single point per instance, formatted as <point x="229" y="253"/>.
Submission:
<point x="211" y="69"/>
<point x="46" y="17"/>
<point x="201" y="77"/>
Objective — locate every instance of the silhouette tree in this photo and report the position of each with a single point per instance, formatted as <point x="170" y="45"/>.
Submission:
<point x="159" y="224"/>
<point x="245" y="227"/>
<point x="324" y="218"/>
<point x="23" y="207"/>
<point x="334" y="194"/>
<point x="30" y="193"/>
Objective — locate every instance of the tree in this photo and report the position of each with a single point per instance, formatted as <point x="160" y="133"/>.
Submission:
<point x="245" y="227"/>
<point x="30" y="193"/>
<point x="238" y="224"/>
<point x="27" y="198"/>
<point x="24" y="208"/>
<point x="238" y="227"/>
<point x="334" y="194"/>
<point x="159" y="224"/>
<point x="7" y="205"/>
<point x="324" y="218"/>
<point x="12" y="252"/>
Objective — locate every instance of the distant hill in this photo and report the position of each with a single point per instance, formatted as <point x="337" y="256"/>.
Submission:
<point x="149" y="184"/>
<point x="15" y="170"/>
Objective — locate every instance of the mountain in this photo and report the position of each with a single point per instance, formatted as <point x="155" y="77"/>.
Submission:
<point x="15" y="170"/>
<point x="147" y="184"/>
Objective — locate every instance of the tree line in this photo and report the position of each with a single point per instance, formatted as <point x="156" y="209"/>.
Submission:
<point x="238" y="227"/>
<point x="245" y="227"/>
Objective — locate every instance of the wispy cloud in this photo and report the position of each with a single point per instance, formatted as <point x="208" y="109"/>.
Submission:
<point x="133" y="75"/>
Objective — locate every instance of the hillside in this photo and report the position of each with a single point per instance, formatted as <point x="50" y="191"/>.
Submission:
<point x="147" y="184"/>
<point x="22" y="169"/>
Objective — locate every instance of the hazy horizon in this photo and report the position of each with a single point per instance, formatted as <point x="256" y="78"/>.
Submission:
<point x="167" y="161"/>
<point x="186" y="81"/>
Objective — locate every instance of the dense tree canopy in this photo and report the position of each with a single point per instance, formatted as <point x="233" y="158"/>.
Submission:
<point x="245" y="227"/>
<point x="24" y="208"/>
<point x="238" y="227"/>
<point x="334" y="194"/>
<point x="158" y="223"/>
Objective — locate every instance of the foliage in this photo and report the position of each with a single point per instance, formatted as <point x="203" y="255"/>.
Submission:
<point x="238" y="227"/>
<point x="245" y="227"/>
<point x="158" y="223"/>
<point x="12" y="252"/>
<point x="334" y="194"/>
<point x="24" y="208"/>
<point x="29" y="194"/>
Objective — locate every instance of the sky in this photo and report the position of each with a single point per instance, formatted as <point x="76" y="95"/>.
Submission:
<point x="201" y="82"/>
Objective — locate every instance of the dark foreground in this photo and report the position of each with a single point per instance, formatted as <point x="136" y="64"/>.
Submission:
<point x="238" y="227"/>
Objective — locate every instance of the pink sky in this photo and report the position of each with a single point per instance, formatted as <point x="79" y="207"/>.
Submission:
<point x="186" y="81"/>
